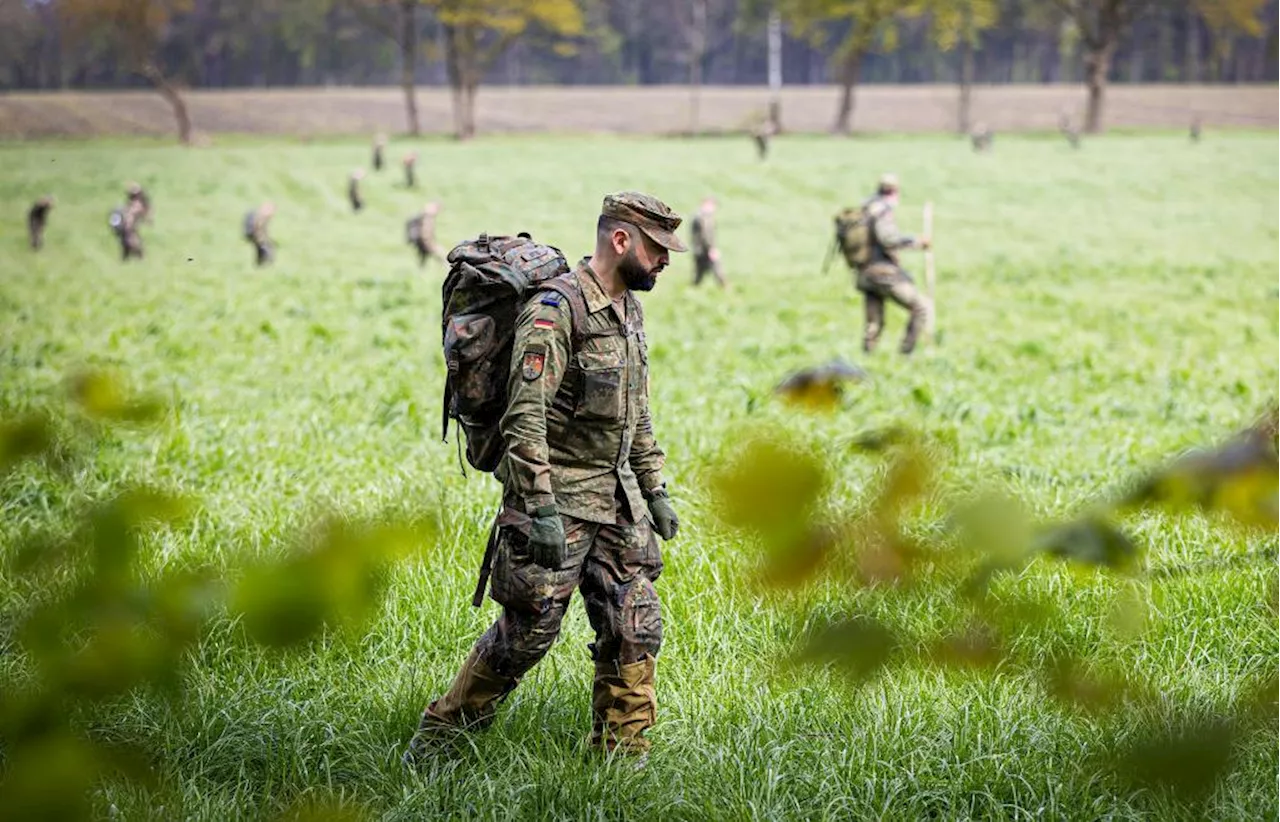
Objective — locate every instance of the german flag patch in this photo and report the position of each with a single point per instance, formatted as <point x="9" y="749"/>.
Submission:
<point x="544" y="324"/>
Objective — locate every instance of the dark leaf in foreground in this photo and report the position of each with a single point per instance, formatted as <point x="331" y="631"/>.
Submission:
<point x="856" y="647"/>
<point x="880" y="439"/>
<point x="1091" y="540"/>
<point x="1238" y="478"/>
<point x="791" y="563"/>
<point x="1069" y="682"/>
<point x="24" y="438"/>
<point x="819" y="388"/>
<point x="1188" y="760"/>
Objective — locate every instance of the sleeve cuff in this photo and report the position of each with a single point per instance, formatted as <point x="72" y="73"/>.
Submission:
<point x="535" y="501"/>
<point x="652" y="486"/>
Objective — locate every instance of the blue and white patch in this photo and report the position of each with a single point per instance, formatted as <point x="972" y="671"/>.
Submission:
<point x="551" y="298"/>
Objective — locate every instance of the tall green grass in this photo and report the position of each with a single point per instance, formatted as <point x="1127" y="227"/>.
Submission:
<point x="1099" y="311"/>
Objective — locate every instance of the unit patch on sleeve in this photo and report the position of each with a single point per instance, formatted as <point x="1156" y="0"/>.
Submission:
<point x="535" y="359"/>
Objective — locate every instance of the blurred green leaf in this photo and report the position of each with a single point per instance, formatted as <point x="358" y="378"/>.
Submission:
<point x="49" y="779"/>
<point x="336" y="582"/>
<point x="24" y="438"/>
<point x="770" y="487"/>
<point x="103" y="396"/>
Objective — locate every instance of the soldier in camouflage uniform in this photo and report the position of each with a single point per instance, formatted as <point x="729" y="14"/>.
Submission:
<point x="353" y="189"/>
<point x="255" y="231"/>
<point x="420" y="231"/>
<point x="37" y="219"/>
<point x="583" y="491"/>
<point x="706" y="255"/>
<point x="137" y="204"/>
<point x="410" y="169"/>
<point x="882" y="278"/>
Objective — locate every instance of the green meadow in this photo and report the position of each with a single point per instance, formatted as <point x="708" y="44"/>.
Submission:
<point x="1100" y="311"/>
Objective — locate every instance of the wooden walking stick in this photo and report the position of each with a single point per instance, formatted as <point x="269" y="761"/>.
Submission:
<point x="929" y="276"/>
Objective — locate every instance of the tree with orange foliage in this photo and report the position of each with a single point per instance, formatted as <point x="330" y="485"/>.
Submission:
<point x="136" y="31"/>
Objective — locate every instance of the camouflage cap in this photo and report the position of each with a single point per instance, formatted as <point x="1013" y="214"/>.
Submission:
<point x="888" y="181"/>
<point x="649" y="214"/>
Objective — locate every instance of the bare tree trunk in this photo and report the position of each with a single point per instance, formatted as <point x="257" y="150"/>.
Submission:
<point x="469" y="91"/>
<point x="409" y="63"/>
<point x="1191" y="48"/>
<point x="453" y="67"/>
<point x="697" y="50"/>
<point x="966" y="86"/>
<point x="849" y="74"/>
<point x="173" y="97"/>
<point x="1097" y="64"/>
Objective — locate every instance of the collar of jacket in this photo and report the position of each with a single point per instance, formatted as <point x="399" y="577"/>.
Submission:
<point x="592" y="291"/>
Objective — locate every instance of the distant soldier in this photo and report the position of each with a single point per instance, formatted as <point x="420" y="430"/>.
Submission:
<point x="706" y="255"/>
<point x="1195" y="130"/>
<point x="125" y="222"/>
<point x="410" y="169"/>
<point x="353" y="189"/>
<point x="420" y="232"/>
<point x="255" y="231"/>
<point x="761" y="134"/>
<point x="37" y="218"/>
<point x="136" y="199"/>
<point x="871" y="242"/>
<point x="982" y="137"/>
<point x="379" y="144"/>
<point x="1069" y="130"/>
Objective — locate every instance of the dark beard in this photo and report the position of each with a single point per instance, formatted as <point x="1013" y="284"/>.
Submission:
<point x="635" y="276"/>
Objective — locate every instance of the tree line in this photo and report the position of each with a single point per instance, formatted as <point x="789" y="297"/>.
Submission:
<point x="176" y="44"/>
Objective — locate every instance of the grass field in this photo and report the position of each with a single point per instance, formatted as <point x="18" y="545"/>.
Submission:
<point x="1100" y="311"/>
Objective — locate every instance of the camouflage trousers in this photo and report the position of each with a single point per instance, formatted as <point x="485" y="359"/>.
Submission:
<point x="884" y="281"/>
<point x="614" y="566"/>
<point x="704" y="265"/>
<point x="130" y="244"/>
<point x="425" y="251"/>
<point x="264" y="250"/>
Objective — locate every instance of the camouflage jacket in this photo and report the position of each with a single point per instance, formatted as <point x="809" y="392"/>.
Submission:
<point x="577" y="425"/>
<point x="255" y="225"/>
<point x="703" y="234"/>
<point x="886" y="239"/>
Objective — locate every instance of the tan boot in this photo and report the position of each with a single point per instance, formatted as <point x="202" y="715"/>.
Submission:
<point x="623" y="705"/>
<point x="469" y="703"/>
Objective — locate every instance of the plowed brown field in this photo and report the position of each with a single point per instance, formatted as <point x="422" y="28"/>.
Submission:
<point x="650" y="110"/>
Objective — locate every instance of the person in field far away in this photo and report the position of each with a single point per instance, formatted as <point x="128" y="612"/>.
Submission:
<point x="870" y="240"/>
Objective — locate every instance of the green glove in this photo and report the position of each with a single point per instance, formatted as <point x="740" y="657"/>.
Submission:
<point x="665" y="521"/>
<point x="546" y="538"/>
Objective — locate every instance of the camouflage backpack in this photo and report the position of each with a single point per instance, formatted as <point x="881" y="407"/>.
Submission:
<point x="853" y="235"/>
<point x="489" y="280"/>
<point x="250" y="224"/>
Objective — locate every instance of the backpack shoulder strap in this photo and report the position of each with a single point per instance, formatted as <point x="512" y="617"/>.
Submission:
<point x="577" y="306"/>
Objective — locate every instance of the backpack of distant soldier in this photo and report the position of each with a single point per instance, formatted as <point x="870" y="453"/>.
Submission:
<point x="250" y="219"/>
<point x="116" y="220"/>
<point x="489" y="281"/>
<point x="853" y="235"/>
<point x="413" y="230"/>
